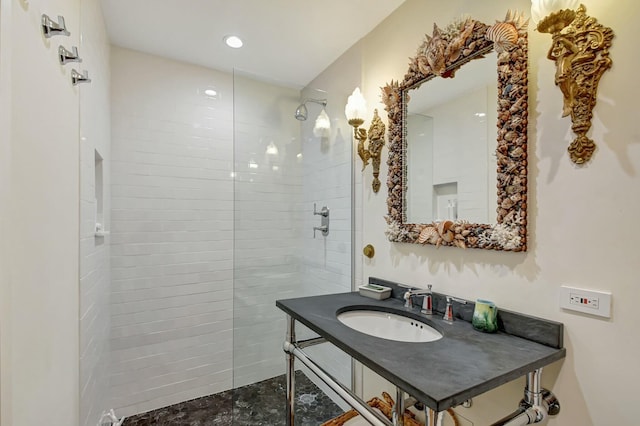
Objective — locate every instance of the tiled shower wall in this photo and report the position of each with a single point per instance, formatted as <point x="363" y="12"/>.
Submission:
<point x="178" y="329"/>
<point x="172" y="232"/>
<point x="327" y="182"/>
<point x="95" y="129"/>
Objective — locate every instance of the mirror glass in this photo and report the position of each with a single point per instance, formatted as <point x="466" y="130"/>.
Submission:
<point x="458" y="138"/>
<point x="451" y="141"/>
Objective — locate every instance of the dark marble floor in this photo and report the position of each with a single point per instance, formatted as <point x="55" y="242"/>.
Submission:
<point x="262" y="403"/>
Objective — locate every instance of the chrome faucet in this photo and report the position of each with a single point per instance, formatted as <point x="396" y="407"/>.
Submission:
<point x="448" y="311"/>
<point x="427" y="300"/>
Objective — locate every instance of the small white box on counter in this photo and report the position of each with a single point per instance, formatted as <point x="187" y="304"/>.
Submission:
<point x="375" y="291"/>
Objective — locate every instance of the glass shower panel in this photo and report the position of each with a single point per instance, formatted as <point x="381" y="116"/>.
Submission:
<point x="280" y="170"/>
<point x="267" y="224"/>
<point x="327" y="181"/>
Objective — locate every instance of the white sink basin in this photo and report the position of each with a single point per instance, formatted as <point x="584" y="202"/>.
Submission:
<point x="389" y="326"/>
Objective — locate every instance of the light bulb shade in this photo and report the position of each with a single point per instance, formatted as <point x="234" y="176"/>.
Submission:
<point x="540" y="9"/>
<point x="356" y="106"/>
<point x="323" y="125"/>
<point x="272" y="149"/>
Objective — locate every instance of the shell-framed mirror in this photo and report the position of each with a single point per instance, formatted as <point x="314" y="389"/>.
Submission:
<point x="446" y="157"/>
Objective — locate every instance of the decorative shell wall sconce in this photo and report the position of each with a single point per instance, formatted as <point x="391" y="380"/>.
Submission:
<point x="355" y="110"/>
<point x="580" y="49"/>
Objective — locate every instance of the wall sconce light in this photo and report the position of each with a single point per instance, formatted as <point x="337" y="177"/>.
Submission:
<point x="322" y="127"/>
<point x="356" y="109"/>
<point x="580" y="49"/>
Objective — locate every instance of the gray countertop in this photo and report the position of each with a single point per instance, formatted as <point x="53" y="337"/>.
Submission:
<point x="441" y="374"/>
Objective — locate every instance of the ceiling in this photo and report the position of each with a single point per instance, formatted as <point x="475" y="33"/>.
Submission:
<point x="288" y="42"/>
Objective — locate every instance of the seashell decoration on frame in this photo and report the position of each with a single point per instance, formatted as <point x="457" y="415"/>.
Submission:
<point x="441" y="55"/>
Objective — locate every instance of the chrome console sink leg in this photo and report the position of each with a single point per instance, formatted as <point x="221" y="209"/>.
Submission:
<point x="291" y="372"/>
<point x="398" y="408"/>
<point x="431" y="416"/>
<point x="536" y="406"/>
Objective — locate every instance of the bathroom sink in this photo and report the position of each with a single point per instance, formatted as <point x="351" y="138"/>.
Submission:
<point x="389" y="326"/>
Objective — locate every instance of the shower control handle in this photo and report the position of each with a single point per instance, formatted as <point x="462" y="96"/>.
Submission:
<point x="324" y="211"/>
<point x="324" y="222"/>
<point x="323" y="228"/>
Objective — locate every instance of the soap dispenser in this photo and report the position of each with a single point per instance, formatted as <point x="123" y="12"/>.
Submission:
<point x="427" y="302"/>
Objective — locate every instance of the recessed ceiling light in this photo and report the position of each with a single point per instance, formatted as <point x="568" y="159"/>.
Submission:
<point x="211" y="93"/>
<point x="233" y="41"/>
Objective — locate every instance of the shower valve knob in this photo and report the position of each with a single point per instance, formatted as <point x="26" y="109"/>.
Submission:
<point x="324" y="211"/>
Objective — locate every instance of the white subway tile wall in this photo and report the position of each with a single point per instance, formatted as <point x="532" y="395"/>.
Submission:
<point x="95" y="129"/>
<point x="172" y="232"/>
<point x="210" y="214"/>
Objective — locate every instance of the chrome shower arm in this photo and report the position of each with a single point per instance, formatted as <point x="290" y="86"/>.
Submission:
<point x="301" y="112"/>
<point x="322" y="102"/>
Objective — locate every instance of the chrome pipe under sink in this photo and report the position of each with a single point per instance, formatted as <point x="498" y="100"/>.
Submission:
<point x="538" y="404"/>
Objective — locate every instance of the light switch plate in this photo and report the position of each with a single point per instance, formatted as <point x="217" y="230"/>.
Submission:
<point x="588" y="301"/>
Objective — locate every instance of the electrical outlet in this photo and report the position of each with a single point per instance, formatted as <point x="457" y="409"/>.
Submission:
<point x="587" y="301"/>
<point x="578" y="299"/>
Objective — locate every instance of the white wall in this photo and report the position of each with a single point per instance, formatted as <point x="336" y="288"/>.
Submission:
<point x="5" y="212"/>
<point x="40" y="349"/>
<point x="569" y="208"/>
<point x="172" y="232"/>
<point x="95" y="279"/>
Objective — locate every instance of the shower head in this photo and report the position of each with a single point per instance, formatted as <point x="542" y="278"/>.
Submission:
<point x="302" y="113"/>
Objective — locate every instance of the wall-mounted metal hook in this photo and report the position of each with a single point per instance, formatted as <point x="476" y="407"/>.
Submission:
<point x="51" y="28"/>
<point x="77" y="78"/>
<point x="66" y="56"/>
